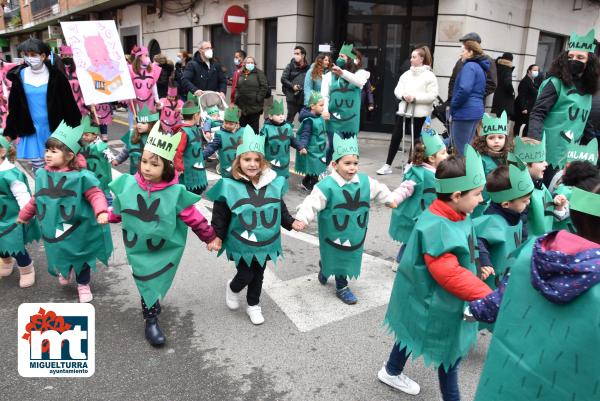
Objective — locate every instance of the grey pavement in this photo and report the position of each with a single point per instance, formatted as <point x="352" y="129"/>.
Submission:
<point x="213" y="353"/>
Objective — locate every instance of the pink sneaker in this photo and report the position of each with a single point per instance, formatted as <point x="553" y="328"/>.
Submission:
<point x="85" y="293"/>
<point x="65" y="281"/>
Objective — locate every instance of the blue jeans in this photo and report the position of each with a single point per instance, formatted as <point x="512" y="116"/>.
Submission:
<point x="462" y="133"/>
<point x="448" y="380"/>
<point x="400" y="253"/>
<point x="22" y="258"/>
<point x="103" y="129"/>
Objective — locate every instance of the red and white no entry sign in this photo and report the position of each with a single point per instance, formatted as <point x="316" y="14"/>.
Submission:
<point x="235" y="20"/>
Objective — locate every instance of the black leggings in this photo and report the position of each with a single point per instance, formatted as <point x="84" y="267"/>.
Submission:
<point x="398" y="133"/>
<point x="251" y="120"/>
<point x="251" y="276"/>
<point x="154" y="311"/>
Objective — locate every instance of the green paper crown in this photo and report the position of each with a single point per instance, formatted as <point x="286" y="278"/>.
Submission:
<point x="145" y="115"/>
<point x="163" y="145"/>
<point x="475" y="176"/>
<point x="343" y="147"/>
<point x="585" y="202"/>
<point x="190" y="110"/>
<point x="432" y="142"/>
<point x="587" y="153"/>
<point x="584" y="43"/>
<point x="70" y="136"/>
<point x="4" y="142"/>
<point x="528" y="153"/>
<point x="347" y="50"/>
<point x="251" y="142"/>
<point x="277" y="108"/>
<point x="521" y="183"/>
<point x="232" y="114"/>
<point x="212" y="110"/>
<point x="87" y="127"/>
<point x="192" y="97"/>
<point x="314" y="98"/>
<point x="493" y="125"/>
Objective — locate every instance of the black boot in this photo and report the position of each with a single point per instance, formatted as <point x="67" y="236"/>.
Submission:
<point x="154" y="334"/>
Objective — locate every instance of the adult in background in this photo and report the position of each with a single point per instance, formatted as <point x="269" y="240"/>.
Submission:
<point x="314" y="75"/>
<point x="202" y="73"/>
<point x="504" y="95"/>
<point x="526" y="95"/>
<point x="564" y="101"/>
<point x="490" y="74"/>
<point x="238" y="60"/>
<point x="341" y="88"/>
<point x="419" y="87"/>
<point x="250" y="93"/>
<point x="183" y="57"/>
<point x="292" y="82"/>
<point x="40" y="98"/>
<point x="367" y="100"/>
<point x="466" y="107"/>
<point x="167" y="69"/>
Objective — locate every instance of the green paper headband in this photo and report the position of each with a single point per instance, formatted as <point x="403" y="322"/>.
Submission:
<point x="4" y="142"/>
<point x="494" y="126"/>
<point x="583" y="43"/>
<point x="277" y="108"/>
<point x="212" y="110"/>
<point x="529" y="153"/>
<point x="190" y="110"/>
<point x="251" y="142"/>
<point x="347" y="50"/>
<point x="190" y="96"/>
<point x="585" y="202"/>
<point x="87" y="127"/>
<point x="475" y="175"/>
<point x="344" y="147"/>
<point x="587" y="153"/>
<point x="521" y="184"/>
<point x="69" y="136"/>
<point x="432" y="142"/>
<point x="314" y="98"/>
<point x="163" y="145"/>
<point x="145" y="115"/>
<point x="232" y="114"/>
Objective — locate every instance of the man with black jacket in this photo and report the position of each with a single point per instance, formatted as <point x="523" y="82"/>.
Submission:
<point x="202" y="74"/>
<point x="292" y="82"/>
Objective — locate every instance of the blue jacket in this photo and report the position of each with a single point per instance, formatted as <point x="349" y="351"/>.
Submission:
<point x="310" y="84"/>
<point x="469" y="90"/>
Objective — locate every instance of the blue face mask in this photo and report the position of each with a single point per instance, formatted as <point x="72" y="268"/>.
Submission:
<point x="535" y="74"/>
<point x="249" y="66"/>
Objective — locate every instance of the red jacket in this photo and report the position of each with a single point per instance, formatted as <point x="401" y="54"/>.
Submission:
<point x="234" y="80"/>
<point x="446" y="270"/>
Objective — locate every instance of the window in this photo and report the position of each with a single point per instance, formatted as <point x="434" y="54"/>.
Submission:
<point x="153" y="48"/>
<point x="224" y="47"/>
<point x="271" y="51"/>
<point x="549" y="47"/>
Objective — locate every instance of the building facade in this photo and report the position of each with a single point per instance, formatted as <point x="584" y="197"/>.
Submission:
<point x="535" y="31"/>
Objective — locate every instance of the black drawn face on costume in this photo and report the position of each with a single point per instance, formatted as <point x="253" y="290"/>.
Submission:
<point x="258" y="206"/>
<point x="278" y="148"/>
<point x="230" y="149"/>
<point x="146" y="214"/>
<point x="67" y="203"/>
<point x="342" y="102"/>
<point x="343" y="215"/>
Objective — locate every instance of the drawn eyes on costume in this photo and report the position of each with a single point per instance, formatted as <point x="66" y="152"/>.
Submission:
<point x="149" y="85"/>
<point x="254" y="220"/>
<point x="341" y="226"/>
<point x="362" y="220"/>
<point x="349" y="103"/>
<point x="130" y="243"/>
<point x="138" y="86"/>
<point x="63" y="212"/>
<point x="274" y="148"/>
<point x="40" y="214"/>
<point x="338" y="103"/>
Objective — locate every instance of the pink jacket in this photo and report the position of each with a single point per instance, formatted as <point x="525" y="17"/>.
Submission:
<point x="94" y="196"/>
<point x="567" y="243"/>
<point x="190" y="215"/>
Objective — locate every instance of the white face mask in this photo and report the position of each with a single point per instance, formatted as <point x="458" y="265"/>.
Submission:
<point x="34" y="62"/>
<point x="178" y="59"/>
<point x="236" y="61"/>
<point x="535" y="74"/>
<point x="208" y="53"/>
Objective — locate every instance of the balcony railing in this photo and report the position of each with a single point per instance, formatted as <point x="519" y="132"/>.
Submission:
<point x="12" y="16"/>
<point x="43" y="8"/>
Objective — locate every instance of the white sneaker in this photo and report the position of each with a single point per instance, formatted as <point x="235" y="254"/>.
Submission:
<point x="231" y="298"/>
<point x="395" y="265"/>
<point x="386" y="169"/>
<point x="400" y="382"/>
<point x="255" y="314"/>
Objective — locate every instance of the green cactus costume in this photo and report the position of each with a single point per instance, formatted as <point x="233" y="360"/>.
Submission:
<point x="344" y="102"/>
<point x="135" y="150"/>
<point x="194" y="171"/>
<point x="313" y="163"/>
<point x="98" y="164"/>
<point x="229" y="144"/>
<point x="277" y="147"/>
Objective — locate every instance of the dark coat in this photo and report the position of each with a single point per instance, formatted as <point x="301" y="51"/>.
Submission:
<point x="61" y="104"/>
<point x="294" y="74"/>
<point x="197" y="75"/>
<point x="469" y="90"/>
<point x="527" y="93"/>
<point x="504" y="96"/>
<point x="251" y="91"/>
<point x="162" y="84"/>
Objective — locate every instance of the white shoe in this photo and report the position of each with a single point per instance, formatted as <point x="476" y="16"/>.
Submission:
<point x="395" y="265"/>
<point x="6" y="266"/>
<point x="400" y="382"/>
<point x="255" y="314"/>
<point x="386" y="169"/>
<point x="231" y="298"/>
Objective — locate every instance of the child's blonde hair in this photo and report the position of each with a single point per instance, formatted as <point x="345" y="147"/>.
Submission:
<point x="11" y="153"/>
<point x="137" y="136"/>
<point x="236" y="167"/>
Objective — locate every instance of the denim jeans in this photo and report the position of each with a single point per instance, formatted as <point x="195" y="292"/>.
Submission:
<point x="22" y="258"/>
<point x="400" y="253"/>
<point x="448" y="380"/>
<point x="462" y="133"/>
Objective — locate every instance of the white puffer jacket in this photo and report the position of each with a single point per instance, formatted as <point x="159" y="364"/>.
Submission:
<point x="421" y="83"/>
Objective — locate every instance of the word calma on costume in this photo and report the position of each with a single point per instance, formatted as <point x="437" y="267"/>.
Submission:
<point x="56" y="340"/>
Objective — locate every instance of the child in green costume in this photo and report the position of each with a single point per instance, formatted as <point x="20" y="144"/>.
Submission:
<point x="493" y="143"/>
<point x="543" y="209"/>
<point x="248" y="214"/>
<point x="189" y="161"/>
<point x="437" y="275"/>
<point x="213" y="120"/>
<point x="312" y="136"/>
<point x="72" y="212"/>
<point x="547" y="314"/>
<point x="98" y="155"/>
<point x="226" y="141"/>
<point x="279" y="137"/>
<point x="136" y="139"/>
<point x="155" y="212"/>
<point x="417" y="190"/>
<point x="14" y="195"/>
<point x="341" y="203"/>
